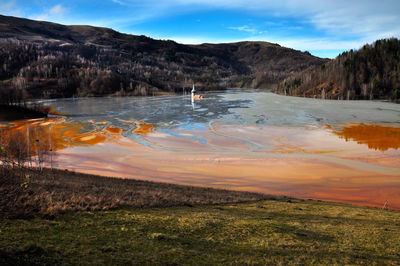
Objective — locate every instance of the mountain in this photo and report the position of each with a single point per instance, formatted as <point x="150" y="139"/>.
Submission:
<point x="47" y="60"/>
<point x="372" y="72"/>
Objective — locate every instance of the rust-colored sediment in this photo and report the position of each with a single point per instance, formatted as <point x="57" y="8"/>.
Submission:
<point x="114" y="130"/>
<point x="143" y="128"/>
<point x="358" y="164"/>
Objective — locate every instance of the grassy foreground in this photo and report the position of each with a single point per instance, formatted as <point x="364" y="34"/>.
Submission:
<point x="266" y="232"/>
<point x="178" y="229"/>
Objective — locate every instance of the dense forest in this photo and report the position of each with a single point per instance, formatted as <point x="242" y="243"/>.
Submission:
<point x="47" y="60"/>
<point x="372" y="72"/>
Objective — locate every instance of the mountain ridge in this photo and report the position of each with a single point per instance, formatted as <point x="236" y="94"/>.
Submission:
<point x="48" y="60"/>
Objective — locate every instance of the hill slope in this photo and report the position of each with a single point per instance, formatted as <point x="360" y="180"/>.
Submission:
<point x="42" y="59"/>
<point x="373" y="72"/>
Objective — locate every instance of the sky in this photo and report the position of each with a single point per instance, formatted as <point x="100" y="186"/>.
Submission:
<point x="325" y="28"/>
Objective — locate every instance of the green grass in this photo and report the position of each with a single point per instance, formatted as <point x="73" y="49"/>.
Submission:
<point x="266" y="232"/>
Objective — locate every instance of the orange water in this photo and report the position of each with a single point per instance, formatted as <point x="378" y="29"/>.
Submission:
<point x="356" y="163"/>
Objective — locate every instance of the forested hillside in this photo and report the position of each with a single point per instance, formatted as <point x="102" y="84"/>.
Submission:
<point x="47" y="60"/>
<point x="373" y="72"/>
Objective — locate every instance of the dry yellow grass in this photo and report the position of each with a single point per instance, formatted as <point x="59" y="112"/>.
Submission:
<point x="31" y="192"/>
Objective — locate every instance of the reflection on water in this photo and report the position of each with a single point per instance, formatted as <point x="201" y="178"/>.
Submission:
<point x="55" y="134"/>
<point x="375" y="136"/>
<point x="241" y="145"/>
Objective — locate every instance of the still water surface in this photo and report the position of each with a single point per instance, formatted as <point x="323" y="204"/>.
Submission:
<point x="346" y="151"/>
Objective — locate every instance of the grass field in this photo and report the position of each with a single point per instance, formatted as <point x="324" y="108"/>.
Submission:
<point x="278" y="231"/>
<point x="266" y="232"/>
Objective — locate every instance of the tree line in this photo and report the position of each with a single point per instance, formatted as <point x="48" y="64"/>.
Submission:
<point x="372" y="72"/>
<point x="137" y="65"/>
<point x="49" y="70"/>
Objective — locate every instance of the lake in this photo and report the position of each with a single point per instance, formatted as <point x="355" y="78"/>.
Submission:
<point x="344" y="151"/>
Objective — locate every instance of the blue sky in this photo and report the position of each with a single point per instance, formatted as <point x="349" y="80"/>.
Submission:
<point x="323" y="27"/>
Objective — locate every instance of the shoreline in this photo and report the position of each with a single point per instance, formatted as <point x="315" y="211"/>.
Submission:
<point x="362" y="204"/>
<point x="30" y="193"/>
<point x="224" y="90"/>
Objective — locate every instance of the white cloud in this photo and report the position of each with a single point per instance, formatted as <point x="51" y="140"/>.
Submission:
<point x="58" y="10"/>
<point x="342" y="24"/>
<point x="343" y="17"/>
<point x="244" y="28"/>
<point x="10" y="8"/>
<point x="7" y="5"/>
<point x="54" y="13"/>
<point x="119" y="2"/>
